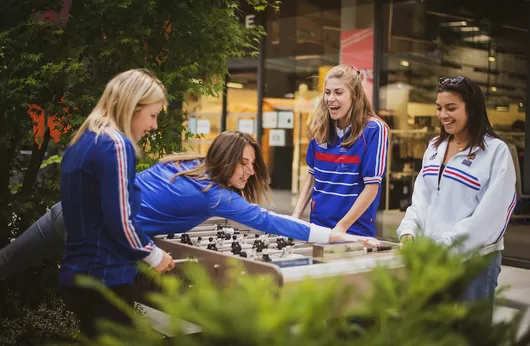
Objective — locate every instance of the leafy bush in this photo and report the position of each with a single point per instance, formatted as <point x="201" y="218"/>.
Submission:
<point x="37" y="324"/>
<point x="419" y="305"/>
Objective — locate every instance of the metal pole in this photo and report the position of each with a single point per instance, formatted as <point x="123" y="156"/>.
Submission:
<point x="378" y="42"/>
<point x="261" y="80"/>
<point x="526" y="169"/>
<point x="224" y="112"/>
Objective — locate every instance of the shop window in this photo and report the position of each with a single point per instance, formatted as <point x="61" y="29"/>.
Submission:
<point x="486" y="41"/>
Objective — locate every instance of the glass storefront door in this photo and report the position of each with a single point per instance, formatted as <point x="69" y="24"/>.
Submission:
<point x="486" y="41"/>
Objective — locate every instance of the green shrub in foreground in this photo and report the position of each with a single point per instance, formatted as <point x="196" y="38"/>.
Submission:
<point x="419" y="306"/>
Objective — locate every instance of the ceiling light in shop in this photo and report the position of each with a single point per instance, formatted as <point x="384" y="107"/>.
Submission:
<point x="469" y="28"/>
<point x="521" y="104"/>
<point x="491" y="58"/>
<point x="328" y="27"/>
<point x="493" y="89"/>
<point x="404" y="63"/>
<point x="307" y="57"/>
<point x="462" y="23"/>
<point x="478" y="38"/>
<point x="502" y="108"/>
<point x="234" y="85"/>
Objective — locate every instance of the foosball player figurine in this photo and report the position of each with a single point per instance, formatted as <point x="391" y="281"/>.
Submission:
<point x="258" y="245"/>
<point x="198" y="242"/>
<point x="281" y="242"/>
<point x="236" y="247"/>
<point x="379" y="248"/>
<point x="245" y="237"/>
<point x="211" y="245"/>
<point x="185" y="239"/>
<point x="243" y="254"/>
<point x="266" y="258"/>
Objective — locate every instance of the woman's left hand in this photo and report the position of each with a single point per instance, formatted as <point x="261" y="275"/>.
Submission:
<point x="340" y="237"/>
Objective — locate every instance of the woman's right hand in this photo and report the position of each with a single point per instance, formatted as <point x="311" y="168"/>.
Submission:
<point x="406" y="237"/>
<point x="166" y="264"/>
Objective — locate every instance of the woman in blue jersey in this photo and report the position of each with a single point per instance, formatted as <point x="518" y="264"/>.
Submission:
<point x="466" y="188"/>
<point x="182" y="191"/>
<point x="100" y="199"/>
<point x="346" y="157"/>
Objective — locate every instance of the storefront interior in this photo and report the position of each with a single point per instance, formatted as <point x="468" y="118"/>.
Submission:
<point x="401" y="47"/>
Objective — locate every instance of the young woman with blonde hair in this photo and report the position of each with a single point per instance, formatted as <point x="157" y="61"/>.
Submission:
<point x="100" y="199"/>
<point x="346" y="157"/>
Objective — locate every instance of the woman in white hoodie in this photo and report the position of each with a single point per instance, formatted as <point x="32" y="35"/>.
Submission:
<point x="466" y="188"/>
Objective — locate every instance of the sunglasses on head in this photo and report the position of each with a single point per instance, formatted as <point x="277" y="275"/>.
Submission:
<point x="355" y="69"/>
<point x="451" y="80"/>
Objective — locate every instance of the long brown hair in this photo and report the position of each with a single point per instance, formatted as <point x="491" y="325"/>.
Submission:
<point x="323" y="130"/>
<point x="225" y="153"/>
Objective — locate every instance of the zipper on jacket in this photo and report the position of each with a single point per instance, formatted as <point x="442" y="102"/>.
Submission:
<point x="441" y="172"/>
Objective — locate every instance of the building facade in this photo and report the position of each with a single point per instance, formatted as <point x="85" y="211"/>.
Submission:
<point x="401" y="48"/>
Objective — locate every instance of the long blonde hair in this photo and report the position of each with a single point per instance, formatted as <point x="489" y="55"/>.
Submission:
<point x="323" y="129"/>
<point x="225" y="153"/>
<point x="124" y="95"/>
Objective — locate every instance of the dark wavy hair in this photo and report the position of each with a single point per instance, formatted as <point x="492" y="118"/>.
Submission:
<point x="478" y="123"/>
<point x="224" y="154"/>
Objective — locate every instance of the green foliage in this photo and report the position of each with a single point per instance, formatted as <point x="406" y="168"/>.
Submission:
<point x="416" y="305"/>
<point x="43" y="322"/>
<point x="145" y="162"/>
<point x="63" y="65"/>
<point x="50" y="161"/>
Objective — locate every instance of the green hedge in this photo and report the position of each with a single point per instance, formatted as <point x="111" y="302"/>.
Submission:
<point x="419" y="307"/>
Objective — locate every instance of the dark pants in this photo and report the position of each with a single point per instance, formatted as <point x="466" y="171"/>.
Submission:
<point x="90" y="306"/>
<point x="42" y="240"/>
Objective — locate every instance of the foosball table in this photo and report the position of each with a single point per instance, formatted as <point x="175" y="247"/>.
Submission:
<point x="217" y="242"/>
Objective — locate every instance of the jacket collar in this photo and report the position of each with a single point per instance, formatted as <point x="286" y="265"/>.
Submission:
<point x="442" y="148"/>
